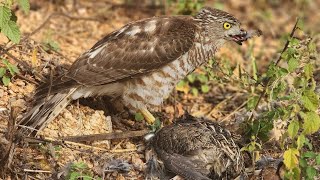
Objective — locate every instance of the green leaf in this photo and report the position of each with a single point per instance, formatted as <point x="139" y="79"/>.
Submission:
<point x="311" y="122"/>
<point x="291" y="158"/>
<point x="138" y="117"/>
<point x="156" y="125"/>
<point x="300" y="24"/>
<point x="303" y="163"/>
<point x="282" y="72"/>
<point x="318" y="159"/>
<point x="74" y="176"/>
<point x="5" y="14"/>
<point x="182" y="83"/>
<point x="13" y="69"/>
<point x="191" y="78"/>
<point x="25" y="5"/>
<point x="205" y="88"/>
<point x="252" y="101"/>
<point x="195" y="91"/>
<point x="311" y="171"/>
<point x="202" y="78"/>
<point x="309" y="154"/>
<point x="312" y="47"/>
<point x="2" y="71"/>
<point x="310" y="100"/>
<point x="291" y="51"/>
<point x="271" y="70"/>
<point x="294" y="41"/>
<point x="300" y="141"/>
<point x="308" y="144"/>
<point x="52" y="45"/>
<point x="308" y="71"/>
<point x="86" y="177"/>
<point x="79" y="165"/>
<point x="293" y="129"/>
<point x="292" y="64"/>
<point x="254" y="67"/>
<point x="5" y="80"/>
<point x="11" y="30"/>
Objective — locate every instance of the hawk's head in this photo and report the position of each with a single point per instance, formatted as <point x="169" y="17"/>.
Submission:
<point x="219" y="25"/>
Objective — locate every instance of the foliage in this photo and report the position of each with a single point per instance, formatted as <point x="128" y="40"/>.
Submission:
<point x="8" y="19"/>
<point x="186" y="7"/>
<point x="8" y="71"/>
<point x="138" y="117"/>
<point x="79" y="170"/>
<point x="291" y="95"/>
<point x="200" y="81"/>
<point x="156" y="125"/>
<point x="49" y="44"/>
<point x="195" y="83"/>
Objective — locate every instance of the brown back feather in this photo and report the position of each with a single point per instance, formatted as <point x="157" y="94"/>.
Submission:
<point x="133" y="51"/>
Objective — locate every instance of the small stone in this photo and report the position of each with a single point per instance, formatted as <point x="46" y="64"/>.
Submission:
<point x="129" y="145"/>
<point x="1" y="92"/>
<point x="20" y="83"/>
<point x="18" y="103"/>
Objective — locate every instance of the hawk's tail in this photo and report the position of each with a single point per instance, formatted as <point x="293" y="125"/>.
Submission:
<point x="45" y="110"/>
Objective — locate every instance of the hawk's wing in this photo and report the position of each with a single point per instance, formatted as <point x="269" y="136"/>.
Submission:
<point x="135" y="49"/>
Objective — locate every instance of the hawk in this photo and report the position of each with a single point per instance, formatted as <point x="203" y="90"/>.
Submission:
<point x="141" y="63"/>
<point x="194" y="148"/>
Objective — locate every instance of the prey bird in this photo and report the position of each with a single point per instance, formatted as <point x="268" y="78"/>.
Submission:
<point x="140" y="63"/>
<point x="194" y="148"/>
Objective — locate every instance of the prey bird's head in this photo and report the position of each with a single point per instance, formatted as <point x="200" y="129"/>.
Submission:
<point x="220" y="25"/>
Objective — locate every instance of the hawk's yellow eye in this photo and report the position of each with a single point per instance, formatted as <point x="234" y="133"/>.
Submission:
<point x="226" y="25"/>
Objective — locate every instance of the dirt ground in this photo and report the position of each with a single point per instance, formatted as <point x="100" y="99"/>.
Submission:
<point x="75" y="26"/>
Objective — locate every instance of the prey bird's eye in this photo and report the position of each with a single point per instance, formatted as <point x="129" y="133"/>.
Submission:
<point x="226" y="25"/>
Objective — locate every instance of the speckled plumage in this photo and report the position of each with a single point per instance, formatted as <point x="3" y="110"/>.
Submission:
<point x="141" y="63"/>
<point x="195" y="148"/>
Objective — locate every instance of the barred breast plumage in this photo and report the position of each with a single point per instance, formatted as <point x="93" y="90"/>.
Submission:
<point x="149" y="91"/>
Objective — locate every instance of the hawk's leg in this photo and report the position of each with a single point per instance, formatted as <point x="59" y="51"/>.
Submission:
<point x="148" y="116"/>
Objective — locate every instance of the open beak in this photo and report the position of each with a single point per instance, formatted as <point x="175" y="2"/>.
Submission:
<point x="245" y="35"/>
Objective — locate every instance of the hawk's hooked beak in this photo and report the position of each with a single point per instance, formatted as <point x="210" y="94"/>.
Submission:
<point x="244" y="35"/>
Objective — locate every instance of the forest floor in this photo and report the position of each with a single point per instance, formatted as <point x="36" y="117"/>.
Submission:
<point x="61" y="32"/>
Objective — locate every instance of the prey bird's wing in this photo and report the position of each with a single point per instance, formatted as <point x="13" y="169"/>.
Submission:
<point x="135" y="49"/>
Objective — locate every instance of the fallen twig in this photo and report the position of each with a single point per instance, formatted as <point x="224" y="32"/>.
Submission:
<point x="27" y="79"/>
<point x="65" y="142"/>
<point x="36" y="171"/>
<point x="106" y="136"/>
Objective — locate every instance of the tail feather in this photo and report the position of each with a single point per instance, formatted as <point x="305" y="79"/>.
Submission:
<point x="45" y="111"/>
<point x="182" y="166"/>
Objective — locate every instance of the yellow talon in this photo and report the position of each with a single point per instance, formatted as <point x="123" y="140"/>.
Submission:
<point x="148" y="116"/>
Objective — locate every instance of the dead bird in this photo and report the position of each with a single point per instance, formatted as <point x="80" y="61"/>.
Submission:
<point x="195" y="149"/>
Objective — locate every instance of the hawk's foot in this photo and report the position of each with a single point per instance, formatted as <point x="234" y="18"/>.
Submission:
<point x="148" y="116"/>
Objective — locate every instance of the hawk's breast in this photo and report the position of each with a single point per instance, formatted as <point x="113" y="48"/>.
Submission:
<point x="150" y="90"/>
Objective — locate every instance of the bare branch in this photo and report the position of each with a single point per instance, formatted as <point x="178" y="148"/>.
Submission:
<point x="106" y="136"/>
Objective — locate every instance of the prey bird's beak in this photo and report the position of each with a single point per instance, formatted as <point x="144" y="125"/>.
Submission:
<point x="245" y="35"/>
